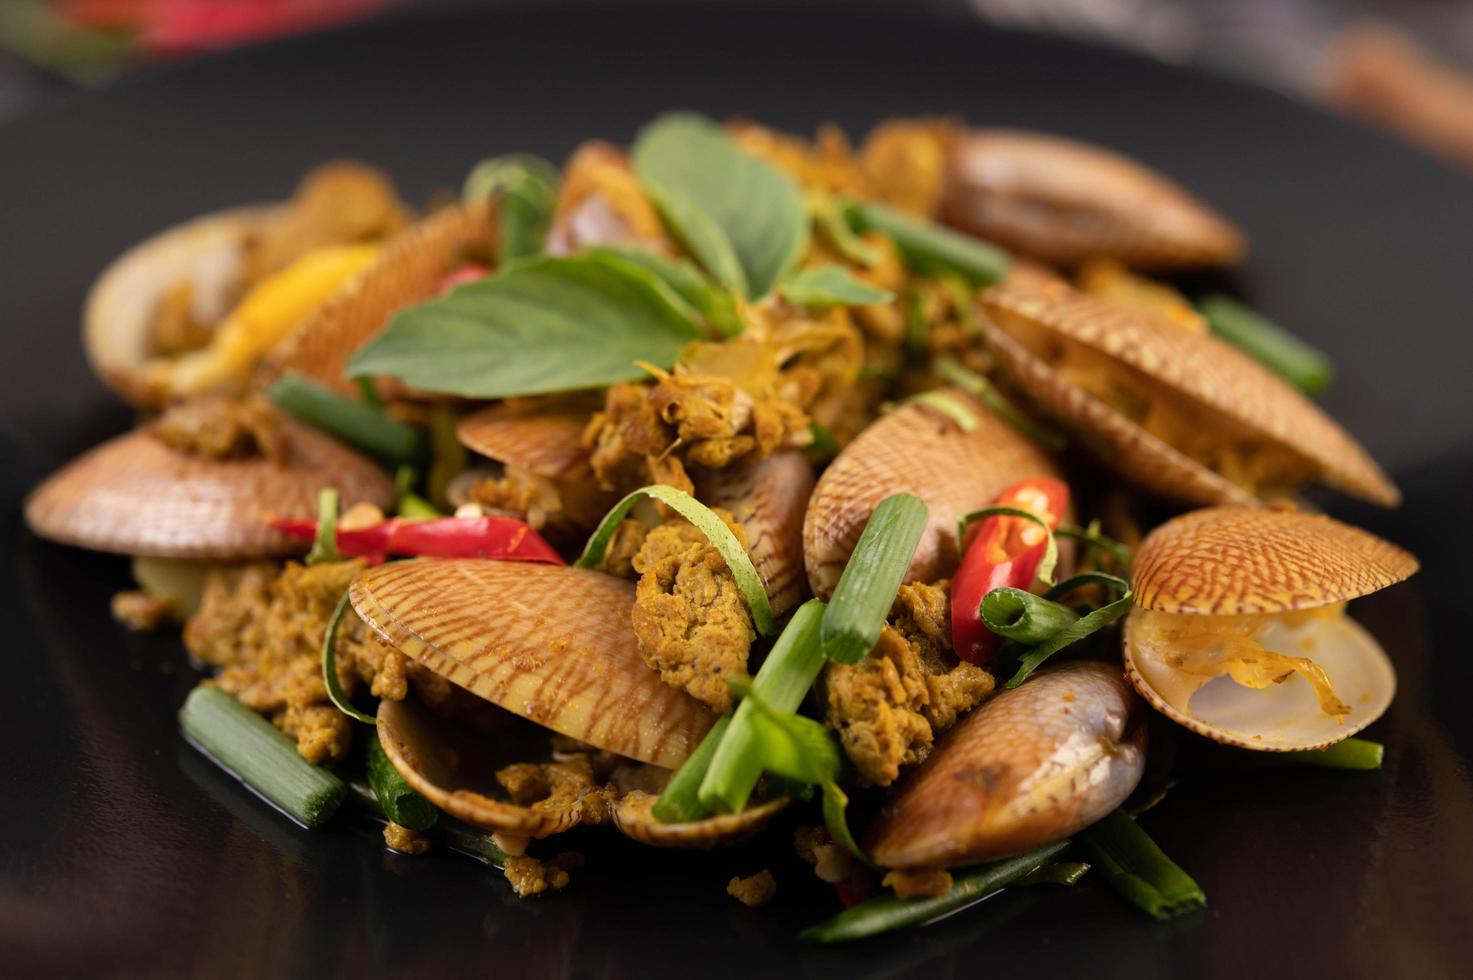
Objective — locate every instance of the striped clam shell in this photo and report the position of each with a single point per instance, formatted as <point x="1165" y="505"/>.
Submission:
<point x="1064" y="201"/>
<point x="546" y="443"/>
<point x="134" y="495"/>
<point x="1029" y="767"/>
<point x="409" y="270"/>
<point x="550" y="643"/>
<point x="769" y="498"/>
<point x="118" y="321"/>
<point x="455" y="770"/>
<point x="919" y="450"/>
<point x="1201" y="369"/>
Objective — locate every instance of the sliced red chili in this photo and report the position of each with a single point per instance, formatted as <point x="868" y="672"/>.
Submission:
<point x="1001" y="551"/>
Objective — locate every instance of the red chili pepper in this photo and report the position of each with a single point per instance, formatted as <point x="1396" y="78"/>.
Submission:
<point x="441" y="537"/>
<point x="1001" y="551"/>
<point x="469" y="272"/>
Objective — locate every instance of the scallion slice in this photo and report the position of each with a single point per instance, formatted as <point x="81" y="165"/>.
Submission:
<point x="330" y="680"/>
<point x="1024" y="617"/>
<point x="1067" y="873"/>
<point x="258" y="755"/>
<point x="1138" y="870"/>
<point x="716" y="532"/>
<point x="861" y="601"/>
<point x="1050" y="560"/>
<point x="356" y="423"/>
<point x="1275" y="348"/>
<point x="1350" y="753"/>
<point x="1080" y="628"/>
<point x="782" y="682"/>
<point x="401" y="803"/>
<point x="1091" y="537"/>
<point x="681" y="801"/>
<point x="410" y="504"/>
<point x="953" y="409"/>
<point x="888" y="913"/>
<point x="931" y="248"/>
<point x="955" y="372"/>
<point x="325" y="542"/>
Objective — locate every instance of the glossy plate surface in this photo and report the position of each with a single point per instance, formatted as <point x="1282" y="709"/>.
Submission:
<point x="124" y="851"/>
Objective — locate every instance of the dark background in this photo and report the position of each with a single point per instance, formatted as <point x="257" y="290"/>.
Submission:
<point x="123" y="852"/>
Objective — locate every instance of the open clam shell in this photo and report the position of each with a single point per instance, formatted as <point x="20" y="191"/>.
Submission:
<point x="543" y="442"/>
<point x="550" y="643"/>
<point x="134" y="495"/>
<point x="408" y="270"/>
<point x="1210" y="568"/>
<point x="1031" y="766"/>
<point x="1209" y="385"/>
<point x="455" y="769"/>
<point x="919" y="450"/>
<point x="634" y="817"/>
<point x="208" y="252"/>
<point x="769" y="498"/>
<point x="1064" y="201"/>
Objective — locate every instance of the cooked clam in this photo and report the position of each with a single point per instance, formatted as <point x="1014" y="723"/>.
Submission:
<point x="543" y="442"/>
<point x="136" y="495"/>
<point x="634" y="817"/>
<point x="1031" y="766"/>
<point x="550" y="643"/>
<point x="407" y="270"/>
<point x="1240" y="634"/>
<point x="1179" y="413"/>
<point x="769" y="498"/>
<point x="920" y="450"/>
<point x="1064" y="201"/>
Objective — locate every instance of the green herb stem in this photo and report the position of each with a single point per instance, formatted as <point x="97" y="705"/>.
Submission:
<point x="401" y="803"/>
<point x="1024" y="617"/>
<point x="1301" y="365"/>
<point x="1090" y="537"/>
<point x="931" y="248"/>
<point x="782" y="682"/>
<point x="362" y="426"/>
<point x="525" y="189"/>
<point x="1138" y="870"/>
<point x="861" y="601"/>
<point x="888" y="913"/>
<point x="258" y="755"/>
<point x="1350" y="753"/>
<point x="681" y="801"/>
<point x="325" y="542"/>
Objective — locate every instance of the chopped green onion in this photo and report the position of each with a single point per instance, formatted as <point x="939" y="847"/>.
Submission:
<point x="888" y="912"/>
<point x="944" y="403"/>
<point x="959" y="290"/>
<point x="957" y="373"/>
<point x="525" y="188"/>
<point x="782" y="682"/>
<point x="829" y="218"/>
<point x="410" y="504"/>
<point x="330" y="678"/>
<point x="401" y="803"/>
<point x="1138" y="870"/>
<point x="1286" y="355"/>
<point x="1050" y="560"/>
<point x="716" y="532"/>
<point x="1350" y="753"/>
<point x="681" y="801"/>
<point x="325" y="542"/>
<point x="1080" y="628"/>
<point x="1024" y="617"/>
<point x="473" y="841"/>
<point x="1092" y="538"/>
<point x="393" y="443"/>
<point x="1066" y="873"/>
<point x="792" y="746"/>
<point x="258" y="755"/>
<point x="930" y="248"/>
<point x="861" y="601"/>
<point x="836" y="820"/>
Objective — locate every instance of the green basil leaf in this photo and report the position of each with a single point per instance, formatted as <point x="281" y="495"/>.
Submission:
<point x="539" y="325"/>
<point x="710" y="191"/>
<point x="706" y="299"/>
<point x="790" y="745"/>
<point x="831" y="285"/>
<point x="525" y="187"/>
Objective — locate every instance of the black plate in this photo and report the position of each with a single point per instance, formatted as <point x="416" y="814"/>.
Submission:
<point x="124" y="851"/>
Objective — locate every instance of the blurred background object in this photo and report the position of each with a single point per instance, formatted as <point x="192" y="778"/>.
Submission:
<point x="1406" y="65"/>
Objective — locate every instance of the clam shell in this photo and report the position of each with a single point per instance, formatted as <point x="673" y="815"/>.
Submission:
<point x="1282" y="717"/>
<point x="1233" y="561"/>
<point x="1031" y="766"/>
<point x="408" y="270"/>
<point x="455" y="770"/>
<point x="545" y="443"/>
<point x="1063" y="202"/>
<point x="1200" y="368"/>
<point x="919" y="450"/>
<point x="136" y="496"/>
<point x="547" y="642"/>
<point x="117" y="323"/>
<point x="633" y="817"/>
<point x="769" y="498"/>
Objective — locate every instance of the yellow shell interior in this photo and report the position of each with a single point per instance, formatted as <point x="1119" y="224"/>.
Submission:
<point x="1297" y="680"/>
